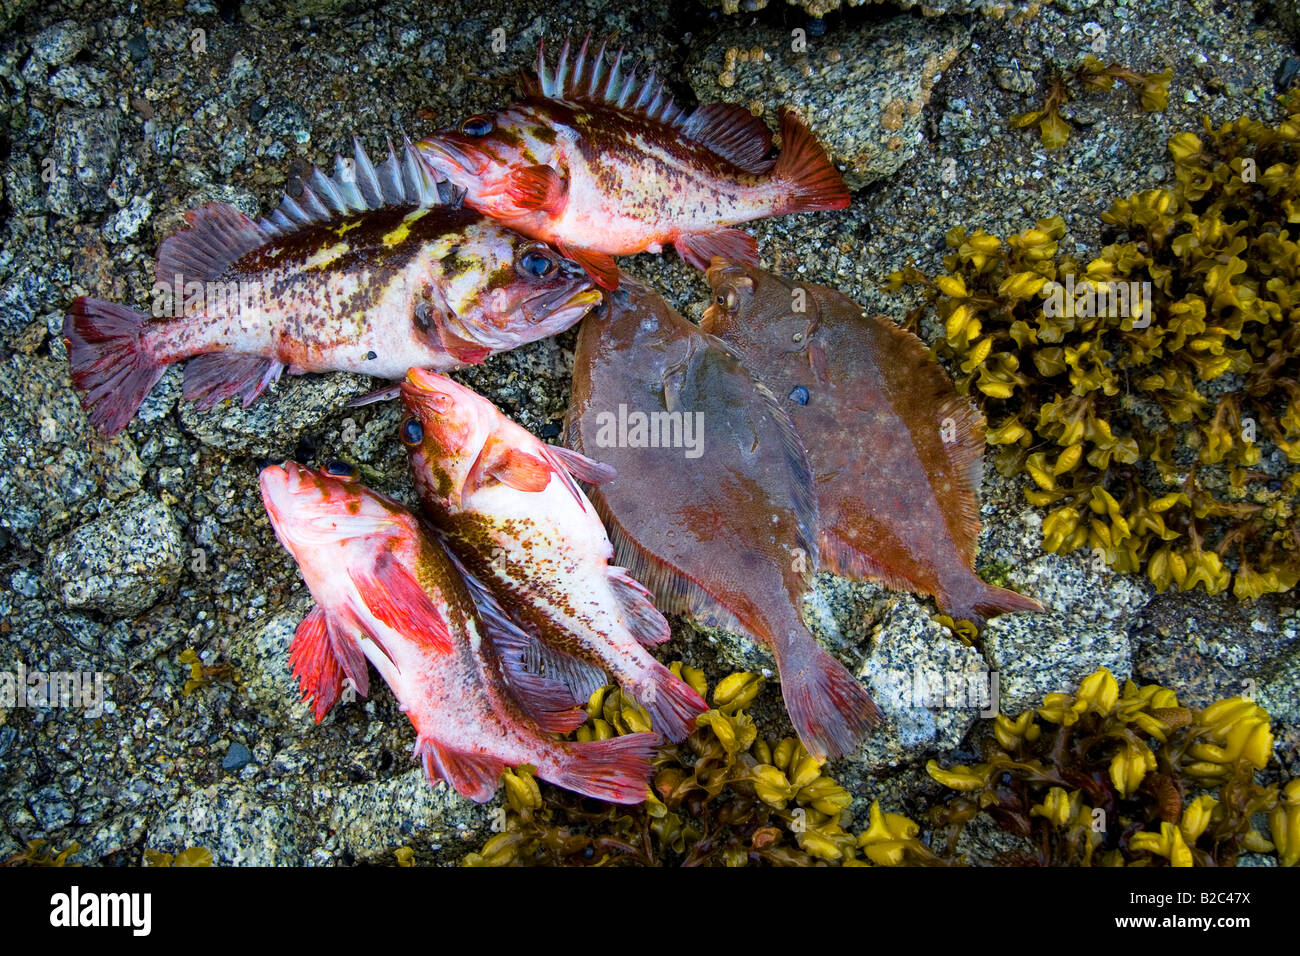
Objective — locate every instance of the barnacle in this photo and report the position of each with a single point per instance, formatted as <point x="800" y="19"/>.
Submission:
<point x="724" y="797"/>
<point x="1103" y="776"/>
<point x="1091" y="76"/>
<point x="1150" y="393"/>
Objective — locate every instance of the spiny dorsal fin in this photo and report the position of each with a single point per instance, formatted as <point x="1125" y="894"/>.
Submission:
<point x="729" y="130"/>
<point x="359" y="186"/>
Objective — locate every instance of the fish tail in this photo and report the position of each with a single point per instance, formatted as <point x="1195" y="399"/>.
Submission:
<point x="614" y="770"/>
<point x="811" y="181"/>
<point x="830" y="709"/>
<point x="112" y="367"/>
<point x="982" y="601"/>
<point x="671" y="703"/>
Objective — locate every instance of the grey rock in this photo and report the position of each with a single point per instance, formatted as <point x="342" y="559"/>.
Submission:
<point x="126" y="223"/>
<point x="260" y="652"/>
<point x="54" y="463"/>
<point x="121" y="563"/>
<point x="60" y="42"/>
<point x="239" y="828"/>
<point x="1038" y="654"/>
<point x="236" y="758"/>
<point x="272" y="425"/>
<point x="84" y="158"/>
<point x="863" y="92"/>
<point x="930" y="687"/>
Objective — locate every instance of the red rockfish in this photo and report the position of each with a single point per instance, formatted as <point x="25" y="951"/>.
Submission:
<point x="897" y="453"/>
<point x="603" y="163"/>
<point x="728" y="536"/>
<point x="369" y="271"/>
<point x="512" y="511"/>
<point x="386" y="591"/>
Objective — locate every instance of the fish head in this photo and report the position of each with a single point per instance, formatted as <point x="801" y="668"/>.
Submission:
<point x="329" y="508"/>
<point x="482" y="153"/>
<point x="445" y="429"/>
<point x="735" y="295"/>
<point x="502" y="289"/>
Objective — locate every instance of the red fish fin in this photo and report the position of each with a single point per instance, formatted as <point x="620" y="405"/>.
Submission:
<point x="394" y="597"/>
<point x="734" y="245"/>
<point x="961" y="426"/>
<point x="732" y="132"/>
<point x="671" y="702"/>
<point x="212" y="378"/>
<point x="580" y="466"/>
<point x="537" y="189"/>
<point x="521" y="471"/>
<point x="111" y="366"/>
<point x="314" y="665"/>
<point x="462" y="350"/>
<point x="830" y="709"/>
<point x="642" y="618"/>
<point x="218" y="236"/>
<point x="849" y="561"/>
<point x="804" y="167"/>
<point x="615" y="770"/>
<point x="976" y="600"/>
<point x="602" y="268"/>
<point x="474" y="776"/>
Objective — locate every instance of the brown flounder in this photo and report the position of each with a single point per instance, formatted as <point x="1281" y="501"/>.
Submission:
<point x="729" y="535"/>
<point x="896" y="452"/>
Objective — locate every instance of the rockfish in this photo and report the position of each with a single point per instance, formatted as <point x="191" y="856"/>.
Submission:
<point x="730" y="536"/>
<point x="896" y="452"/>
<point x="369" y="271"/>
<point x="603" y="163"/>
<point x="387" y="592"/>
<point x="512" y="511"/>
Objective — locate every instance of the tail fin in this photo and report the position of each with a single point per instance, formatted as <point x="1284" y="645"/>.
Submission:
<point x="983" y="601"/>
<point x="615" y="770"/>
<point x="803" y="166"/>
<point x="830" y="709"/>
<point x="111" y="367"/>
<point x="671" y="703"/>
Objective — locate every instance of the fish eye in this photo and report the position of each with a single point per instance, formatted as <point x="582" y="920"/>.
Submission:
<point x="537" y="264"/>
<point x="726" y="298"/>
<point x="479" y="125"/>
<point x="341" y="469"/>
<point x="412" y="432"/>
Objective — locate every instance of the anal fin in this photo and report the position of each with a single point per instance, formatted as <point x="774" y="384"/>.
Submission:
<point x="733" y="245"/>
<point x="642" y="618"/>
<point x="474" y="776"/>
<point x="216" y="376"/>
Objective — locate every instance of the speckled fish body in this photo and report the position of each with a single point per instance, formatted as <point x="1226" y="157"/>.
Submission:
<point x="387" y="592"/>
<point x="730" y="535"/>
<point x="370" y="271"/>
<point x="896" y="452"/>
<point x="602" y="163"/>
<point x="511" y="509"/>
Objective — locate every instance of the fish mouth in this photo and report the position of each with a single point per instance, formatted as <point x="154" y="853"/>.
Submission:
<point x="562" y="305"/>
<point x="426" y="391"/>
<point x="449" y="155"/>
<point x="720" y="271"/>
<point x="309" y="508"/>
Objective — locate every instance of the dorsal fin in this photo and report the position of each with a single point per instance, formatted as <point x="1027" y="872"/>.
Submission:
<point x="729" y="130"/>
<point x="359" y="186"/>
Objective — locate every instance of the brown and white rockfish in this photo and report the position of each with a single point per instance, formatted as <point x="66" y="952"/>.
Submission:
<point x="603" y="163"/>
<point x="511" y="509"/>
<point x="386" y="591"/>
<point x="370" y="271"/>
